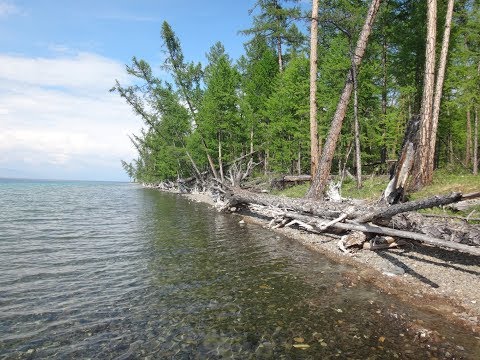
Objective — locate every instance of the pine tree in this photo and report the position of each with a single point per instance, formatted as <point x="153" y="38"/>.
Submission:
<point x="274" y="23"/>
<point x="218" y="113"/>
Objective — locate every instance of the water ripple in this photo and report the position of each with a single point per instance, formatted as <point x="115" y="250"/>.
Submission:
<point x="105" y="270"/>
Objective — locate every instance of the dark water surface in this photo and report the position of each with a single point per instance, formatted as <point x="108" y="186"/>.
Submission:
<point x="111" y="270"/>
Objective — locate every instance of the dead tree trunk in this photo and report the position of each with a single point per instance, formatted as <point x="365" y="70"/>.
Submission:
<point x="331" y="210"/>
<point x="382" y="230"/>
<point x="421" y="173"/>
<point x="314" y="149"/>
<point x="389" y="212"/>
<point x="396" y="187"/>
<point x="194" y="165"/>
<point x="321" y="177"/>
<point x="397" y="220"/>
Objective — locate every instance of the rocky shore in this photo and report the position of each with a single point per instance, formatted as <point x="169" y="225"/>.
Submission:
<point x="433" y="279"/>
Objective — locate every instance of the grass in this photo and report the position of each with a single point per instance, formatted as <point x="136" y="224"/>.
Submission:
<point x="372" y="189"/>
<point x="297" y="191"/>
<point x="445" y="181"/>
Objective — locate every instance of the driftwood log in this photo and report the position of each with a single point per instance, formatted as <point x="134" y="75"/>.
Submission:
<point x="330" y="210"/>
<point x="397" y="220"/>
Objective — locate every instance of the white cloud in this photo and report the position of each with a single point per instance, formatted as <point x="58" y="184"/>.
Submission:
<point x="57" y="113"/>
<point x="7" y="8"/>
<point x="81" y="72"/>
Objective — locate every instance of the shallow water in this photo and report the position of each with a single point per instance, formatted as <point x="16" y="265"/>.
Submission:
<point x="111" y="270"/>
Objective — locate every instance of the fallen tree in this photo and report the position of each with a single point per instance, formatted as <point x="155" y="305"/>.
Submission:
<point x="397" y="221"/>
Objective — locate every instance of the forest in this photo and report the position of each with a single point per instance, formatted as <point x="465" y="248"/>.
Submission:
<point x="335" y="86"/>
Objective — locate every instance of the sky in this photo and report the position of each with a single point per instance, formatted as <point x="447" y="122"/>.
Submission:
<point x="58" y="59"/>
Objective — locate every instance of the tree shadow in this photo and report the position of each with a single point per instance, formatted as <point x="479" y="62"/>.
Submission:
<point x="446" y="258"/>
<point x="408" y="270"/>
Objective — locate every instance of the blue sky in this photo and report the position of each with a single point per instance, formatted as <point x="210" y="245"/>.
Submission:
<point x="59" y="58"/>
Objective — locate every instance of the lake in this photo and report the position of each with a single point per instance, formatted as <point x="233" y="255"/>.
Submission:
<point x="113" y="270"/>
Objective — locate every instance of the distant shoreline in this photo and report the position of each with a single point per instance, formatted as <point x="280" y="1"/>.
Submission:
<point x="26" y="179"/>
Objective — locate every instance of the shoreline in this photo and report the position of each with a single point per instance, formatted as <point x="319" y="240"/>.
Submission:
<point x="431" y="279"/>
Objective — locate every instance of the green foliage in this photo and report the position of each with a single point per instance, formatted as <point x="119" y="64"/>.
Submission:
<point x="288" y="111"/>
<point x="218" y="116"/>
<point x="258" y="69"/>
<point x="252" y="104"/>
<point x="188" y="76"/>
<point x="274" y="22"/>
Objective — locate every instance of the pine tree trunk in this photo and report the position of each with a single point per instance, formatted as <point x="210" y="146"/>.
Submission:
<point x="468" y="147"/>
<point x="475" y="143"/>
<point x="358" y="159"/>
<point x="314" y="149"/>
<point x="321" y="177"/>
<point x="383" y="151"/>
<point x="421" y="173"/>
<point x="438" y="93"/>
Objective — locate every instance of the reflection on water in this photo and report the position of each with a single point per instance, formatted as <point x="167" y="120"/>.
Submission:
<point x="112" y="270"/>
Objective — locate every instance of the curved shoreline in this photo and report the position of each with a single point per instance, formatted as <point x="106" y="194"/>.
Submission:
<point x="431" y="279"/>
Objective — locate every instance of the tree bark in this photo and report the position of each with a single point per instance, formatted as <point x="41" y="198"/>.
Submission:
<point x="409" y="225"/>
<point x="438" y="93"/>
<point x="331" y="210"/>
<point x="374" y="229"/>
<point x="326" y="210"/>
<point x="389" y="212"/>
<point x="383" y="151"/>
<point x="314" y="149"/>
<point x="396" y="187"/>
<point x="197" y="172"/>
<point x="321" y="177"/>
<point x="314" y="223"/>
<point x="279" y="50"/>
<point x="358" y="155"/>
<point x="421" y="174"/>
<point x="291" y="178"/>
